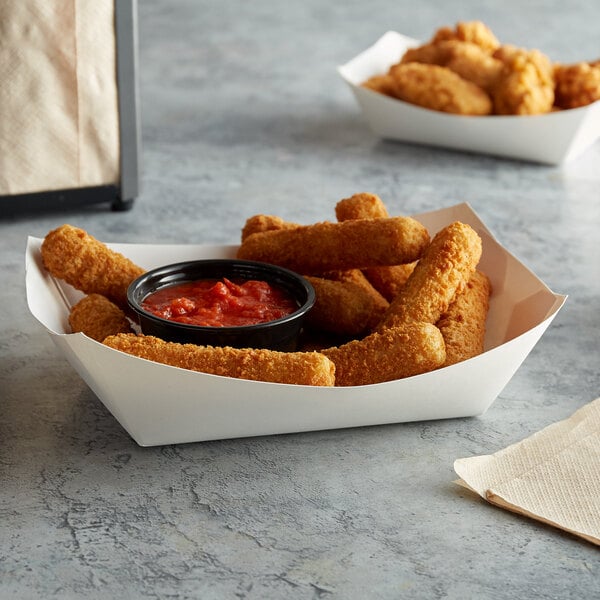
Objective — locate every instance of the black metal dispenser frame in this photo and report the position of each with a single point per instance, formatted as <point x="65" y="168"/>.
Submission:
<point x="120" y="196"/>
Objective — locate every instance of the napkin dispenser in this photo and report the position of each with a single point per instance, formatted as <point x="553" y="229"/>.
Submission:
<point x="69" y="114"/>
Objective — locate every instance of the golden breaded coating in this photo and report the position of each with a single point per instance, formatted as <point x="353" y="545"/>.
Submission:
<point x="299" y="368"/>
<point x="577" y="85"/>
<point x="472" y="63"/>
<point x="312" y="340"/>
<point x="388" y="281"/>
<point x="98" y="317"/>
<point x="526" y="84"/>
<point x="383" y="84"/>
<point x="361" y="206"/>
<point x="475" y="32"/>
<point x="443" y="270"/>
<point x="466" y="59"/>
<point x="429" y="54"/>
<point x="343" y="307"/>
<point x="87" y="264"/>
<point x="321" y="247"/>
<point x="392" y="354"/>
<point x="516" y="81"/>
<point x="357" y="277"/>
<point x="346" y="303"/>
<point x="463" y="324"/>
<point x="261" y="223"/>
<point x="438" y="88"/>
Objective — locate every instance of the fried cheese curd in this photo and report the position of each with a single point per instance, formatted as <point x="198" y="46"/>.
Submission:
<point x="475" y="32"/>
<point x="526" y="84"/>
<point x="517" y="81"/>
<point x="87" y="264"/>
<point x="577" y="85"/>
<point x="439" y="88"/>
<point x="467" y="59"/>
<point x="382" y="84"/>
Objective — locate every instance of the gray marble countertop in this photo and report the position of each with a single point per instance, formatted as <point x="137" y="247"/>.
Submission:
<point x="243" y="113"/>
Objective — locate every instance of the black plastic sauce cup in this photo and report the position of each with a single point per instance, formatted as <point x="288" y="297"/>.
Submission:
<point x="280" y="334"/>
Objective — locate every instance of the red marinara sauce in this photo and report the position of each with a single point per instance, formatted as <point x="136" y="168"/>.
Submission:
<point x="220" y="303"/>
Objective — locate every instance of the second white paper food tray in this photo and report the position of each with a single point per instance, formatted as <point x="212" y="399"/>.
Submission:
<point x="552" y="138"/>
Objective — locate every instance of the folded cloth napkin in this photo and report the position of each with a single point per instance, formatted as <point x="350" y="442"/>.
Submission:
<point x="552" y="476"/>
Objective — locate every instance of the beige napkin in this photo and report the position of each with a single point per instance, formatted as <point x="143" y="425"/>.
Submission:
<point x="552" y="476"/>
<point x="58" y="95"/>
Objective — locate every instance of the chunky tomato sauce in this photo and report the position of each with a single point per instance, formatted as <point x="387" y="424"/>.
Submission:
<point x="220" y="303"/>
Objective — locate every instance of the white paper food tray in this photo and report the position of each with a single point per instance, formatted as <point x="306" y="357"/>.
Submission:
<point x="551" y="138"/>
<point x="159" y="404"/>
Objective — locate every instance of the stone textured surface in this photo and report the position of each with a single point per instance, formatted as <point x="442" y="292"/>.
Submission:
<point x="242" y="113"/>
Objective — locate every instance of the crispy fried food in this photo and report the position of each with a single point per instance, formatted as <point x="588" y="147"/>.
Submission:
<point x="383" y="84"/>
<point x="526" y="83"/>
<point x="321" y="247"/>
<point x="475" y="32"/>
<point x="87" y="264"/>
<point x="346" y="303"/>
<point x="98" y="317"/>
<point x="344" y="307"/>
<point x="474" y="65"/>
<point x="438" y="88"/>
<point x="340" y="307"/>
<point x="392" y="354"/>
<point x="388" y="280"/>
<point x="301" y="368"/>
<point x="357" y="277"/>
<point x="430" y="53"/>
<point x="577" y="85"/>
<point x="442" y="271"/>
<point x="466" y="59"/>
<point x="518" y="81"/>
<point x="261" y="223"/>
<point x="361" y="206"/>
<point x="463" y="324"/>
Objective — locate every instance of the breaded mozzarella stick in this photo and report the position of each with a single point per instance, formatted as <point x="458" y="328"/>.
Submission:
<point x="342" y="307"/>
<point x="98" y="317"/>
<point x="262" y="223"/>
<point x="361" y="206"/>
<point x="300" y="368"/>
<point x="388" y="280"/>
<point x="321" y="247"/>
<point x="393" y="354"/>
<point x="87" y="264"/>
<point x="444" y="269"/>
<point x="357" y="277"/>
<point x="463" y="324"/>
